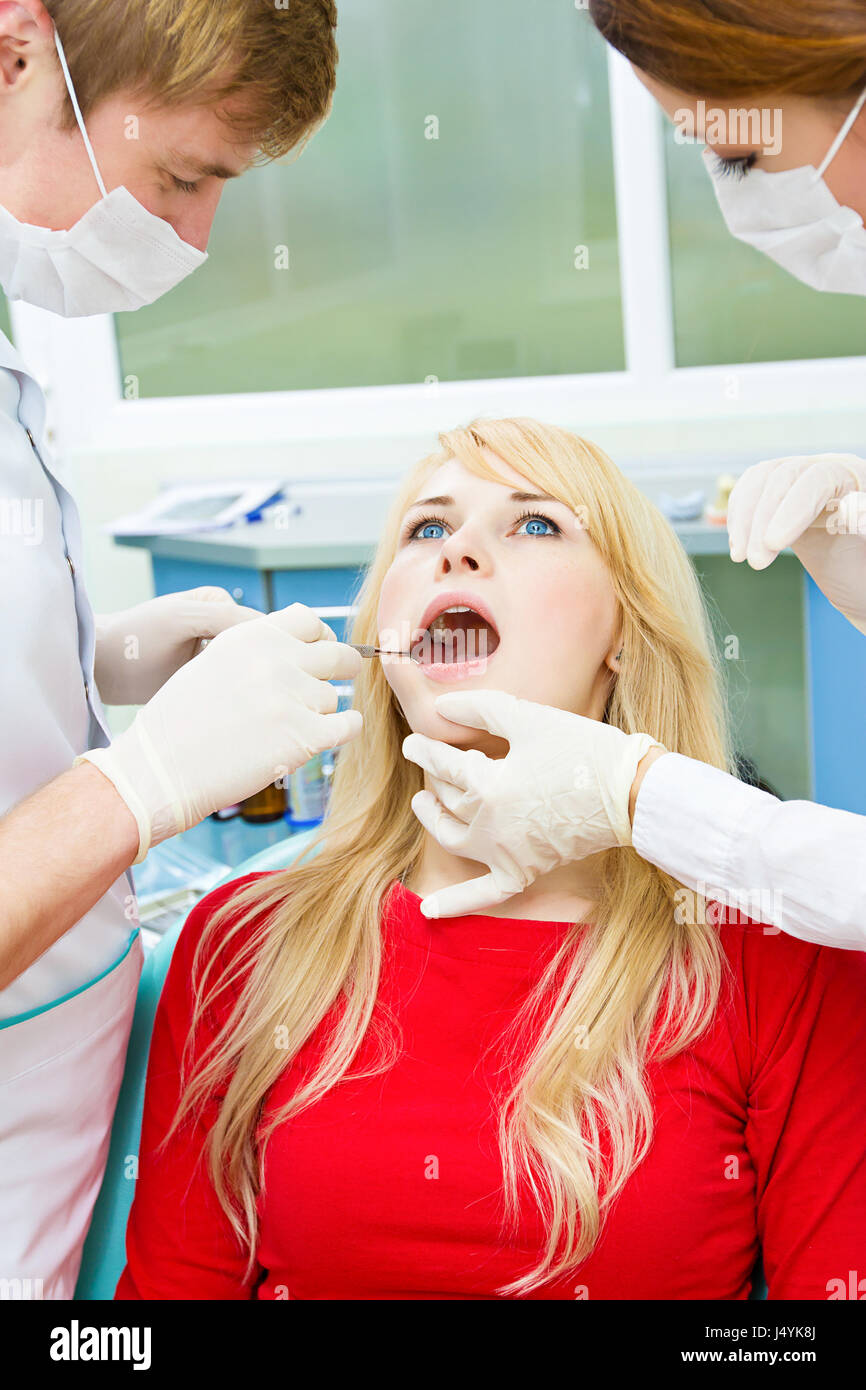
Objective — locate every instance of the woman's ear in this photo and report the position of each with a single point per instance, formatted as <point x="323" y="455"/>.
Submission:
<point x="615" y="655"/>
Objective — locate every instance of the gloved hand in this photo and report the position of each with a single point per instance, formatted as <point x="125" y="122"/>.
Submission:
<point x="252" y="707"/>
<point x="138" y="649"/>
<point x="785" y="502"/>
<point x="560" y="793"/>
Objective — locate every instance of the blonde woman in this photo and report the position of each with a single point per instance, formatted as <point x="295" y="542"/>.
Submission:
<point x="602" y="1089"/>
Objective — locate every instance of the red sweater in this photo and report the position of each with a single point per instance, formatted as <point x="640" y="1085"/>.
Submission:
<point x="389" y="1188"/>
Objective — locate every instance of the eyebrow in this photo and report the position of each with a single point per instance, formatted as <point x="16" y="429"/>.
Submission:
<point x="515" y="497"/>
<point x="202" y="168"/>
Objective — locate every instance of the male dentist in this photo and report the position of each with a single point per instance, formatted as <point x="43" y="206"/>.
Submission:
<point x="94" y="222"/>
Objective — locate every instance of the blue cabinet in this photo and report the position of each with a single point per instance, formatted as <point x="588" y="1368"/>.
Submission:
<point x="336" y="587"/>
<point x="246" y="586"/>
<point x="319" y="588"/>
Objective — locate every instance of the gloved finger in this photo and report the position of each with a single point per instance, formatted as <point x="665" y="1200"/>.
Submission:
<point x="475" y="895"/>
<point x="440" y="759"/>
<point x="460" y="804"/>
<point x="741" y="506"/>
<point x="301" y="622"/>
<point x="758" y="553"/>
<point x="310" y="692"/>
<point x="206" y="593"/>
<point x="341" y="727"/>
<point x="217" y="610"/>
<point x="494" y="710"/>
<point x="314" y="732"/>
<point x="329" y="661"/>
<point x="806" y="500"/>
<point x="450" y="833"/>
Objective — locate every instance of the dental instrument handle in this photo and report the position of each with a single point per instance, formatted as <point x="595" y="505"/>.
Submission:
<point x="375" y="651"/>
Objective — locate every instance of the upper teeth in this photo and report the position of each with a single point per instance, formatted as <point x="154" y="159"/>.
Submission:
<point x="458" y="608"/>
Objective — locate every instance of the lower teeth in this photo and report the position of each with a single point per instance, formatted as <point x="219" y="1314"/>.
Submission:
<point x="451" y="649"/>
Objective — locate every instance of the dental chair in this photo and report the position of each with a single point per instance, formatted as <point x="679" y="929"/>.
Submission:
<point x="104" y="1254"/>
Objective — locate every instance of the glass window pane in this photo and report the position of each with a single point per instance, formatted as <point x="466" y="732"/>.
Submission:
<point x="731" y="302"/>
<point x="412" y="256"/>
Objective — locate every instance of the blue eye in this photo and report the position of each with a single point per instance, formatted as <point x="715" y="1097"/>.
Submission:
<point x="532" y="519"/>
<point x="422" y="530"/>
<point x="540" y="521"/>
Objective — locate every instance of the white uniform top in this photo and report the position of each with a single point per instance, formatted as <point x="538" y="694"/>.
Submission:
<point x="64" y="1023"/>
<point x="49" y="707"/>
<point x="794" y="864"/>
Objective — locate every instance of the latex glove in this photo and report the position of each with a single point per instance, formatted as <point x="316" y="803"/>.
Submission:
<point x="816" y="504"/>
<point x="560" y="793"/>
<point x="252" y="707"/>
<point x="138" y="649"/>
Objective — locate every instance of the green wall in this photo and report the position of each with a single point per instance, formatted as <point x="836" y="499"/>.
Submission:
<point x="766" y="683"/>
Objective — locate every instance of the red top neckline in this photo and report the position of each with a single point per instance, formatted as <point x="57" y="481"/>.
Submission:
<point x="475" y="936"/>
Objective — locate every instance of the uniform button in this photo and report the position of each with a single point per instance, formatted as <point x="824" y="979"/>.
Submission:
<point x="71" y="566"/>
<point x="30" y="437"/>
<point x="86" y="691"/>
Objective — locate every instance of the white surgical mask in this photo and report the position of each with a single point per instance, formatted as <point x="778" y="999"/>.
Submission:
<point x="117" y="256"/>
<point x="795" y="220"/>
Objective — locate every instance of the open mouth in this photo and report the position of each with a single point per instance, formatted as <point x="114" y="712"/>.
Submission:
<point x="458" y="637"/>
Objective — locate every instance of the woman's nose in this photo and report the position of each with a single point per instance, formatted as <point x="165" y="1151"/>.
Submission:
<point x="460" y="552"/>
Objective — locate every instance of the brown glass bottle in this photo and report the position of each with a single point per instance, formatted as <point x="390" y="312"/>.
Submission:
<point x="268" y="804"/>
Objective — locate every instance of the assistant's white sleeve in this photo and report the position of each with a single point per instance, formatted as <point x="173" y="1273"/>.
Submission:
<point x="794" y="864"/>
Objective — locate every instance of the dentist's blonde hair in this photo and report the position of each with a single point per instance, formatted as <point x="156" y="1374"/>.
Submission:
<point x="280" y="60"/>
<point x="632" y="985"/>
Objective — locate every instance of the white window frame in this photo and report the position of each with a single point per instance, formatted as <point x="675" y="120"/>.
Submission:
<point x="77" y="359"/>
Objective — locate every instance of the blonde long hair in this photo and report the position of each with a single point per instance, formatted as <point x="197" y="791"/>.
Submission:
<point x="634" y="983"/>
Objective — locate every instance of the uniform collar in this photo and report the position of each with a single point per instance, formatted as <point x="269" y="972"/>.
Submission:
<point x="11" y="359"/>
<point x="31" y="411"/>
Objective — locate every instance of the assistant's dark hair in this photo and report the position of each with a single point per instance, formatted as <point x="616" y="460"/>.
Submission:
<point x="727" y="48"/>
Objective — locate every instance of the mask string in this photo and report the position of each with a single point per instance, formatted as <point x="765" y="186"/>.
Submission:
<point x="834" y="148"/>
<point x="78" y="116"/>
